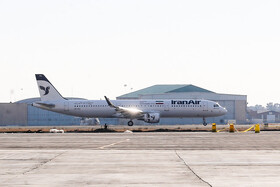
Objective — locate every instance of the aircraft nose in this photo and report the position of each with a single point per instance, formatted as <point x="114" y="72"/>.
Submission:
<point x="223" y="110"/>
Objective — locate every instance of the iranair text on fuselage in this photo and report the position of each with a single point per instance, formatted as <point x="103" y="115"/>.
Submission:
<point x="185" y="102"/>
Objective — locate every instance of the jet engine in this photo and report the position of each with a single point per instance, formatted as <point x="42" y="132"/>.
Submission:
<point x="151" y="117"/>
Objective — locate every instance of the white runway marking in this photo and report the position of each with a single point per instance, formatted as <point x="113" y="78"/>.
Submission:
<point x="113" y="144"/>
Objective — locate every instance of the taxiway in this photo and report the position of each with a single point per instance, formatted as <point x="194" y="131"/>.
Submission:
<point x="137" y="159"/>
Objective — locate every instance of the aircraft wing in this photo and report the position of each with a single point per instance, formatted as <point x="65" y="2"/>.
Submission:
<point x="126" y="112"/>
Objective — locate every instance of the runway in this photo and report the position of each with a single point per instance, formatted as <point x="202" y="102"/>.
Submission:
<point x="140" y="159"/>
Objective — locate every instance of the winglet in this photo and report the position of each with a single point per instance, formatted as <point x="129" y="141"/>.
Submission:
<point x="109" y="102"/>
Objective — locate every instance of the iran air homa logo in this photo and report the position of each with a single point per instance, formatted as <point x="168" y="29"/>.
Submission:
<point x="46" y="90"/>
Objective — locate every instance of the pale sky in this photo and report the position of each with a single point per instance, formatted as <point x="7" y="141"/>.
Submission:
<point x="89" y="49"/>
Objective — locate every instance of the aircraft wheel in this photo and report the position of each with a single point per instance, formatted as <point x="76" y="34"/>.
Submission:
<point x="130" y="123"/>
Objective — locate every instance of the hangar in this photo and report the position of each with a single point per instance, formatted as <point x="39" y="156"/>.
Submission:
<point x="264" y="117"/>
<point x="235" y="104"/>
<point x="22" y="113"/>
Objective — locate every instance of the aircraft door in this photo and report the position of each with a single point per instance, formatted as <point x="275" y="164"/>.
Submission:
<point x="166" y="107"/>
<point x="66" y="106"/>
<point x="205" y="106"/>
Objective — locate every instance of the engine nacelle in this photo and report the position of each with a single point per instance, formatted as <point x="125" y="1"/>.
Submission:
<point x="151" y="117"/>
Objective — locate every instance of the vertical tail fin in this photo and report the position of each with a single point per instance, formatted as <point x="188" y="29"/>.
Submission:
<point x="46" y="89"/>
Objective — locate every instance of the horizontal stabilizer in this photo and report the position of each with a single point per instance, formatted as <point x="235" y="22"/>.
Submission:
<point x="49" y="105"/>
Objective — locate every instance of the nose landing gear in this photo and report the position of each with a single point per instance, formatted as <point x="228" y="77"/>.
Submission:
<point x="204" y="121"/>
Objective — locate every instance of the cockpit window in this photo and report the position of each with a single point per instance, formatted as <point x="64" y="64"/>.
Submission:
<point x="216" y="105"/>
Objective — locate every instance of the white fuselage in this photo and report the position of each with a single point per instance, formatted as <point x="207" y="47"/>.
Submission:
<point x="166" y="108"/>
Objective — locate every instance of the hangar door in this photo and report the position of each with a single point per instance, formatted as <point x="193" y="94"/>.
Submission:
<point x="270" y="118"/>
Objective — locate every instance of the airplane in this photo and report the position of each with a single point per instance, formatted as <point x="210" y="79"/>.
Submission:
<point x="149" y="111"/>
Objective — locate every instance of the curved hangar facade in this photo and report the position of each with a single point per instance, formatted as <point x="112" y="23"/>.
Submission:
<point x="235" y="104"/>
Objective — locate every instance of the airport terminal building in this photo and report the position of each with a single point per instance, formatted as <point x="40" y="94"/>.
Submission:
<point x="22" y="113"/>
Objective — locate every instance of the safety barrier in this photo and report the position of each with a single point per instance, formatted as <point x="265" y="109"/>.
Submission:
<point x="214" y="128"/>
<point x="257" y="128"/>
<point x="232" y="129"/>
<point x="249" y="128"/>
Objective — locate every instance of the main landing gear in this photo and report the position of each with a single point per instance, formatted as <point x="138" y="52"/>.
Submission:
<point x="130" y="123"/>
<point x="204" y="121"/>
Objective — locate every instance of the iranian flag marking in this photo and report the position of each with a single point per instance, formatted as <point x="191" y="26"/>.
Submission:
<point x="159" y="102"/>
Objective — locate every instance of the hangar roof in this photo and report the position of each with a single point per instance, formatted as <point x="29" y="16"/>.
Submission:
<point x="165" y="88"/>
